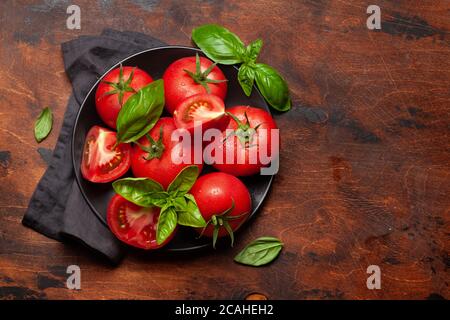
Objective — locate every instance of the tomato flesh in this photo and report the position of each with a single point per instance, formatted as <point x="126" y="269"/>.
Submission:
<point x="134" y="225"/>
<point x="206" y="110"/>
<point x="103" y="161"/>
<point x="215" y="193"/>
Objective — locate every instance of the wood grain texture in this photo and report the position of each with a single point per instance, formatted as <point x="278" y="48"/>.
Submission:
<point x="364" y="175"/>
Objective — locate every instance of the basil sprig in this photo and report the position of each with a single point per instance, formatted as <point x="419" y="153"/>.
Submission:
<point x="260" y="252"/>
<point x="223" y="46"/>
<point x="140" y="112"/>
<point x="43" y="125"/>
<point x="177" y="205"/>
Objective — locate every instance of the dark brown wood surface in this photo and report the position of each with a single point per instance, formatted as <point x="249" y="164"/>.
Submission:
<point x="364" y="177"/>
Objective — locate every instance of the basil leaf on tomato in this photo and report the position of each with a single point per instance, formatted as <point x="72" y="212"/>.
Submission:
<point x="260" y="252"/>
<point x="184" y="180"/>
<point x="43" y="125"/>
<point x="190" y="215"/>
<point x="219" y="44"/>
<point x="253" y="49"/>
<point x="167" y="223"/>
<point x="246" y="78"/>
<point x="272" y="86"/>
<point x="179" y="203"/>
<point x="141" y="191"/>
<point x="140" y="112"/>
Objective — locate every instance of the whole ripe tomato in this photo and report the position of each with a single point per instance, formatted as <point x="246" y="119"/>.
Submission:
<point x="115" y="89"/>
<point x="189" y="76"/>
<point x="246" y="124"/>
<point x="151" y="157"/>
<point x="202" y="109"/>
<point x="102" y="160"/>
<point x="133" y="224"/>
<point x="224" y="202"/>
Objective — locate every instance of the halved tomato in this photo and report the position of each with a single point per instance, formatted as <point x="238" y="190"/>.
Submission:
<point x="133" y="224"/>
<point x="102" y="160"/>
<point x="205" y="109"/>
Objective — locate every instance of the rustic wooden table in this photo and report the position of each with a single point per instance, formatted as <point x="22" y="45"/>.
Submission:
<point x="364" y="176"/>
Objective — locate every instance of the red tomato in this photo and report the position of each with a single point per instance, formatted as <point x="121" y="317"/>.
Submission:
<point x="115" y="89"/>
<point x="133" y="224"/>
<point x="189" y="76"/>
<point x="205" y="109"/>
<point x="153" y="159"/>
<point x="224" y="197"/>
<point x="100" y="162"/>
<point x="246" y="122"/>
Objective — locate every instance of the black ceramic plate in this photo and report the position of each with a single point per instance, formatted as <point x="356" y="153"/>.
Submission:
<point x="155" y="61"/>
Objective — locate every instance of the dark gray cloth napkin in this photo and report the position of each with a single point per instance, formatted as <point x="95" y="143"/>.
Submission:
<point x="57" y="208"/>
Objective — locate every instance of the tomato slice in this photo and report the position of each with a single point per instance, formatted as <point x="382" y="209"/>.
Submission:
<point x="133" y="224"/>
<point x="100" y="162"/>
<point x="205" y="109"/>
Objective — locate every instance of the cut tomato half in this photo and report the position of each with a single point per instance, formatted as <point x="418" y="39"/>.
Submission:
<point x="202" y="109"/>
<point x="102" y="160"/>
<point x="134" y="225"/>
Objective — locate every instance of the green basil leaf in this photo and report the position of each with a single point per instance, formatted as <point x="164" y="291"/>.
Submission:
<point x="179" y="203"/>
<point x="140" y="113"/>
<point x="167" y="223"/>
<point x="246" y="77"/>
<point x="184" y="180"/>
<point x="43" y="124"/>
<point x="219" y="44"/>
<point x="159" y="199"/>
<point x="260" y="252"/>
<point x="190" y="215"/>
<point x="253" y="50"/>
<point x="273" y="87"/>
<point x="141" y="191"/>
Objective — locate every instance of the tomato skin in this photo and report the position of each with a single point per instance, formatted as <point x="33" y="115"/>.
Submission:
<point x="100" y="163"/>
<point x="162" y="170"/>
<point x="108" y="105"/>
<point x="134" y="225"/>
<point x="179" y="85"/>
<point x="256" y="116"/>
<point x="214" y="194"/>
<point x="205" y="108"/>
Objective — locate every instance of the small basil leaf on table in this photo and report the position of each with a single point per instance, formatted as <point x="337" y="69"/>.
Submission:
<point x="167" y="223"/>
<point x="141" y="191"/>
<point x="272" y="86"/>
<point x="219" y="44"/>
<point x="253" y="49"/>
<point x="43" y="125"/>
<point x="184" y="180"/>
<point x="246" y="78"/>
<point x="260" y="252"/>
<point x="190" y="215"/>
<point x="140" y="112"/>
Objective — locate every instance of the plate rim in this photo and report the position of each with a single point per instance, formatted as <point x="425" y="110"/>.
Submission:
<point x="77" y="173"/>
